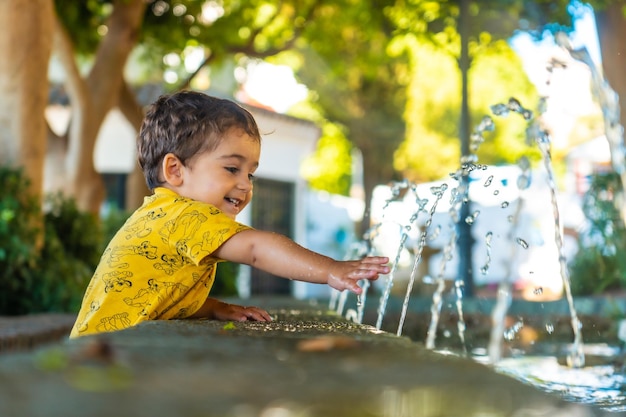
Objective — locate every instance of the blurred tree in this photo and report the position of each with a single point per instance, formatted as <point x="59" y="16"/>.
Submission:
<point x="24" y="85"/>
<point x="95" y="39"/>
<point x="359" y="82"/>
<point x="329" y="167"/>
<point x="611" y="24"/>
<point x="432" y="149"/>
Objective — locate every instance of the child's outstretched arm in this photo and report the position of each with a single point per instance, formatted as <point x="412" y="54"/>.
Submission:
<point x="281" y="256"/>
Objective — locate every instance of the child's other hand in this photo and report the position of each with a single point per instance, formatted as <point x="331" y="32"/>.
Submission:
<point x="345" y="275"/>
<point x="232" y="312"/>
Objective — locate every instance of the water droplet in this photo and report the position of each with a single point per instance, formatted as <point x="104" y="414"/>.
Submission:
<point x="421" y="203"/>
<point x="488" y="181"/>
<point x="504" y="204"/>
<point x="486" y="124"/>
<point x="500" y="109"/>
<point x="524" y="163"/>
<point x="538" y="291"/>
<point x="549" y="328"/>
<point x="522" y="242"/>
<point x="576" y="359"/>
<point x="447" y="333"/>
<point x="510" y="333"/>
<point x="435" y="234"/>
<point x="523" y="182"/>
<point x="514" y="104"/>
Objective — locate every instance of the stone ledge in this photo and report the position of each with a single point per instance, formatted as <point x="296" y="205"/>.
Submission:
<point x="20" y="333"/>
<point x="308" y="362"/>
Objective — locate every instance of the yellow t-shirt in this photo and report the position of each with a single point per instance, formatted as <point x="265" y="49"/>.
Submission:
<point x="158" y="266"/>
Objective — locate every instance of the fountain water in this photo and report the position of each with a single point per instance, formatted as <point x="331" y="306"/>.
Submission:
<point x="458" y="195"/>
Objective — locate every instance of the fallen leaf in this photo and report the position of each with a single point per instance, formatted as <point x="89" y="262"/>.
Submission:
<point x="327" y="343"/>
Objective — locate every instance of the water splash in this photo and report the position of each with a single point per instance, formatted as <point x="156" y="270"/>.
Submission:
<point x="614" y="132"/>
<point x="437" y="301"/>
<point x="521" y="242"/>
<point x="576" y="357"/>
<point x="458" y="196"/>
<point x="405" y="229"/>
<point x="504" y="295"/>
<point x="438" y="192"/>
<point x="485" y="267"/>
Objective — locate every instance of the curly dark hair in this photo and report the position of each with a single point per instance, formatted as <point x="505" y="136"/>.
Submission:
<point x="186" y="124"/>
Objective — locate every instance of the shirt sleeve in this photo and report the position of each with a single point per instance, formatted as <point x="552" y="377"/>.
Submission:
<point x="199" y="230"/>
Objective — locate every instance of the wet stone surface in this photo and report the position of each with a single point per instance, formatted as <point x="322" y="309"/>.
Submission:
<point x="306" y="363"/>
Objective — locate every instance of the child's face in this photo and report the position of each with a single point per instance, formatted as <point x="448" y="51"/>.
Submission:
<point x="223" y="177"/>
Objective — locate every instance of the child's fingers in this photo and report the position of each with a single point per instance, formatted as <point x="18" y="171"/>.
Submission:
<point x="379" y="268"/>
<point x="355" y="275"/>
<point x="375" y="260"/>
<point x="256" y="314"/>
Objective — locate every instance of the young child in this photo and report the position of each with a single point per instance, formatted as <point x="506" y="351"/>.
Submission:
<point x="198" y="154"/>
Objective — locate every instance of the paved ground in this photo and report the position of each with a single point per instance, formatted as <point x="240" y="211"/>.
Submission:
<point x="307" y="363"/>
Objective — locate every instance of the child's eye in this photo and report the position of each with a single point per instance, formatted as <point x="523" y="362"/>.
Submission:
<point x="232" y="170"/>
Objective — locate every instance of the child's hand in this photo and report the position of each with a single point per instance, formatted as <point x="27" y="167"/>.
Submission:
<point x="232" y="312"/>
<point x="218" y="310"/>
<point x="345" y="275"/>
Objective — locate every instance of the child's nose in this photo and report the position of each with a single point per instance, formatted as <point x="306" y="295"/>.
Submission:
<point x="245" y="184"/>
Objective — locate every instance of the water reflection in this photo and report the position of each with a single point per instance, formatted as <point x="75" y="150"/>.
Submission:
<point x="601" y="385"/>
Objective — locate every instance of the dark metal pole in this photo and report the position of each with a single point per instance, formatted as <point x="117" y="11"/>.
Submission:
<point x="466" y="241"/>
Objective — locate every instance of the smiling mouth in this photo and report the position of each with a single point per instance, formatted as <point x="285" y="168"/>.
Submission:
<point x="233" y="201"/>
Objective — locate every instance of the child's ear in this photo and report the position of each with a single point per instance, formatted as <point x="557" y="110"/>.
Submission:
<point x="172" y="168"/>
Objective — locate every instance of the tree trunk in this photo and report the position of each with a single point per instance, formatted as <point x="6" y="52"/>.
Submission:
<point x="611" y="25"/>
<point x="94" y="97"/>
<point x="377" y="170"/>
<point x="26" y="44"/>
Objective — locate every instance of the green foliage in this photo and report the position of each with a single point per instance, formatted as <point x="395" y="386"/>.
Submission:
<point x="171" y="29"/>
<point x="18" y="233"/>
<point x="79" y="233"/>
<point x="225" y="284"/>
<point x="359" y="80"/>
<point x="330" y="167"/>
<point x="501" y="18"/>
<point x="599" y="264"/>
<point x="50" y="276"/>
<point x="432" y="148"/>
